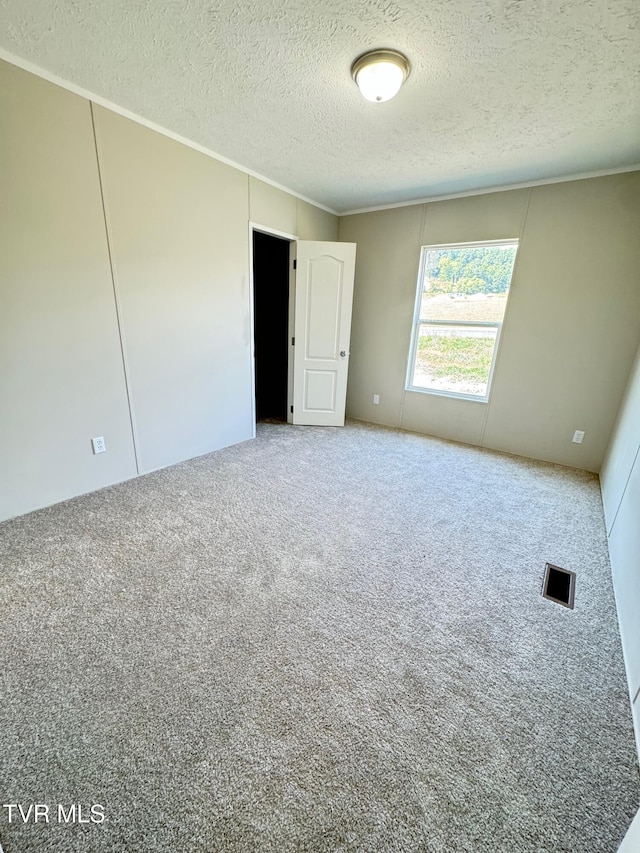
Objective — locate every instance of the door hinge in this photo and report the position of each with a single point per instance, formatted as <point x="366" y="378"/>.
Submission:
<point x="293" y="342"/>
<point x="291" y="409"/>
<point x="295" y="264"/>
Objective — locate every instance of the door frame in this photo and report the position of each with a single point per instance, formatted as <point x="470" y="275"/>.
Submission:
<point x="292" y="238"/>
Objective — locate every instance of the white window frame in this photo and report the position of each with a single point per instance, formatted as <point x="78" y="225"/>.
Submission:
<point x="417" y="322"/>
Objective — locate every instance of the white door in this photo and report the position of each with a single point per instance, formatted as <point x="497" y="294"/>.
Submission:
<point x="322" y="330"/>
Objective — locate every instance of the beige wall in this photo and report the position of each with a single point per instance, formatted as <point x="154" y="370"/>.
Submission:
<point x="177" y="223"/>
<point x="275" y="209"/>
<point x="620" y="480"/>
<point x="61" y="376"/>
<point x="313" y="223"/>
<point x="165" y="343"/>
<point x="570" y="330"/>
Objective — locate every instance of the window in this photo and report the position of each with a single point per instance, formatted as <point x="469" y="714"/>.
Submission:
<point x="462" y="296"/>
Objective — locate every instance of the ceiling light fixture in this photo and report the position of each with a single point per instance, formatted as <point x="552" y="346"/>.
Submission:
<point x="380" y="73"/>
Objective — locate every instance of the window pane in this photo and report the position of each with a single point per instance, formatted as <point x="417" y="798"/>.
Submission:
<point x="477" y="269"/>
<point x="475" y="308"/>
<point x="456" y="359"/>
<point x="463" y="295"/>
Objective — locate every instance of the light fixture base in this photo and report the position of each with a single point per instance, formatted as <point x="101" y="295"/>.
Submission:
<point x="379" y="74"/>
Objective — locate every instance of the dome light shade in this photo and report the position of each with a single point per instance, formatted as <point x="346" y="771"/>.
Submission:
<point x="380" y="73"/>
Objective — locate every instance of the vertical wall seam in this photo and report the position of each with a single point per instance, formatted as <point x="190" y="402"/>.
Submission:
<point x="116" y="297"/>
<point x="423" y="223"/>
<point x="624" y="491"/>
<point x="523" y="223"/>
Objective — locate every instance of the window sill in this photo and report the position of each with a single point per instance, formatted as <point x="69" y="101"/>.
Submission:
<point x="471" y="398"/>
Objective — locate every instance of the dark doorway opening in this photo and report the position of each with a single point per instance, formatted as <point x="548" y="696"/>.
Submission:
<point x="271" y="324"/>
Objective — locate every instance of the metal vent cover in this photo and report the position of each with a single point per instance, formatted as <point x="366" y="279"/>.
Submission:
<point x="559" y="585"/>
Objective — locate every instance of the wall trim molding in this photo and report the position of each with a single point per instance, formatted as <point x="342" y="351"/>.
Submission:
<point x="43" y="73"/>
<point x="583" y="176"/>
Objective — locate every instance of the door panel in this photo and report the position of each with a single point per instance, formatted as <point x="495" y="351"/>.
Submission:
<point x="323" y="307"/>
<point x="323" y="297"/>
<point x="320" y="390"/>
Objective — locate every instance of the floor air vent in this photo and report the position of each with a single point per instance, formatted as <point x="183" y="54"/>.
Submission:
<point x="559" y="585"/>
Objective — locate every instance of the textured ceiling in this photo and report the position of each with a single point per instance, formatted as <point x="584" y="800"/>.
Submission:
<point x="501" y="91"/>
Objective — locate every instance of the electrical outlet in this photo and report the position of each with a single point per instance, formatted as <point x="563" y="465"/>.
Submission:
<point x="578" y="436"/>
<point x="376" y="399"/>
<point x="98" y="444"/>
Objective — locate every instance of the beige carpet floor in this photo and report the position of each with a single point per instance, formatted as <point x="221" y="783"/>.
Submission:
<point x="322" y="640"/>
